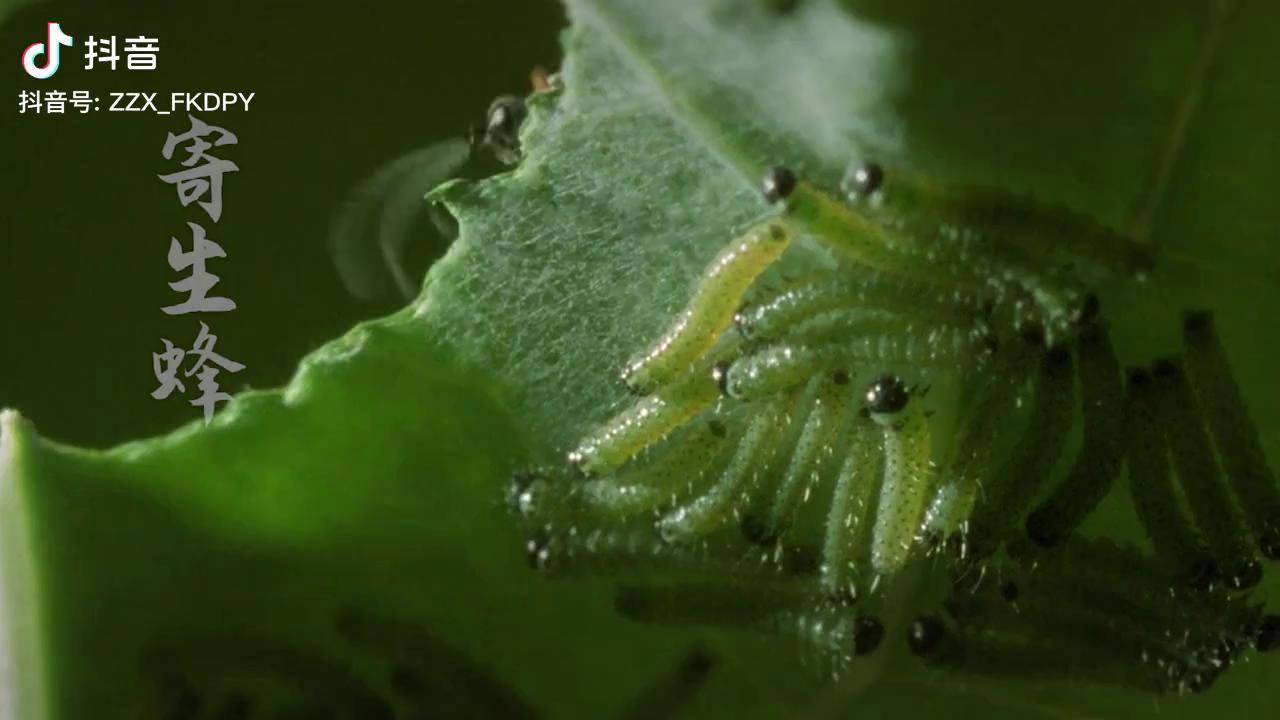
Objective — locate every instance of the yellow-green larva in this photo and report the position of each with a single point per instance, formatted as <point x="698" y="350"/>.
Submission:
<point x="649" y="420"/>
<point x="864" y="242"/>
<point x="689" y="461"/>
<point x="908" y="471"/>
<point x="710" y="310"/>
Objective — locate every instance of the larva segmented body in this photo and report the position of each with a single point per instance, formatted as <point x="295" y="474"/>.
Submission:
<point x="938" y="285"/>
<point x="1208" y="495"/>
<point x="1234" y="435"/>
<point x="908" y="472"/>
<point x="1102" y="454"/>
<point x="1155" y="499"/>
<point x="1012" y="488"/>
<point x="710" y="310"/>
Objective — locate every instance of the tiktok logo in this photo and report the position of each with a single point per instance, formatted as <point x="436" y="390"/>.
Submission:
<point x="51" y="52"/>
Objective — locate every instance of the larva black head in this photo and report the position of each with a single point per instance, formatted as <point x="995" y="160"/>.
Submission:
<point x="886" y="394"/>
<point x="697" y="665"/>
<point x="864" y="180"/>
<point x="1040" y="530"/>
<point x="1009" y="591"/>
<point x="800" y="561"/>
<point x="1139" y="379"/>
<point x="867" y="634"/>
<point x="632" y="602"/>
<point x="1267" y="635"/>
<point x="778" y="184"/>
<point x="537" y="548"/>
<point x="755" y="531"/>
<point x="1086" y="312"/>
<point x="1197" y="326"/>
<point x="1202" y="575"/>
<point x="502" y="124"/>
<point x="1165" y="370"/>
<point x="520" y="482"/>
<point x="717" y="428"/>
<point x="925" y="635"/>
<point x="840" y="377"/>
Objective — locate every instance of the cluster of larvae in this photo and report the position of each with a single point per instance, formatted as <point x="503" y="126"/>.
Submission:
<point x="785" y="463"/>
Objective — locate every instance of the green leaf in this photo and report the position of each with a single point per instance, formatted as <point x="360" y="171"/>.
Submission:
<point x="375" y="478"/>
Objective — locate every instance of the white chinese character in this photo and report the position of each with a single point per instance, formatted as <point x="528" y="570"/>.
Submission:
<point x="28" y="100"/>
<point x="81" y="100"/>
<point x="55" y="102"/>
<point x="101" y="52"/>
<point x="140" y="52"/>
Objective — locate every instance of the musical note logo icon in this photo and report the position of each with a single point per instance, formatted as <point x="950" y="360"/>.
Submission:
<point x="51" y="51"/>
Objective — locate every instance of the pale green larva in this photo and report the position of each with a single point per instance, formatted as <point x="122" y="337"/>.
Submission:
<point x="1014" y="226"/>
<point x="908" y="471"/>
<point x="752" y="459"/>
<point x="685" y="466"/>
<point x="881" y="292"/>
<point x="815" y="450"/>
<point x="950" y="259"/>
<point x="854" y="235"/>
<point x="780" y="367"/>
<point x="971" y="461"/>
<point x="847" y="536"/>
<point x="717" y="295"/>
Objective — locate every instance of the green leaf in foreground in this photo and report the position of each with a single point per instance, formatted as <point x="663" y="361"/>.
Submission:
<point x="374" y="478"/>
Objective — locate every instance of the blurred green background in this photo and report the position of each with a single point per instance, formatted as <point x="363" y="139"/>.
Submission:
<point x="83" y="271"/>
